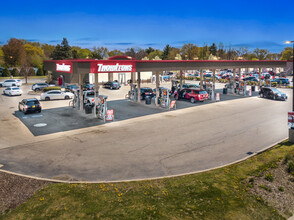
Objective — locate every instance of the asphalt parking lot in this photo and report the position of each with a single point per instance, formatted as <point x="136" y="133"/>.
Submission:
<point x="153" y="144"/>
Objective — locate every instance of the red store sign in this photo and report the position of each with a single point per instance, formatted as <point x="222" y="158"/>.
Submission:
<point x="113" y="66"/>
<point x="64" y="66"/>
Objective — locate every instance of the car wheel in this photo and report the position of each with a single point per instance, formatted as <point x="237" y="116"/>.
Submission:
<point x="39" y="111"/>
<point x="261" y="95"/>
<point x="66" y="97"/>
<point x="37" y="90"/>
<point x="274" y="98"/>
<point x="192" y="100"/>
<point x="19" y="109"/>
<point x="110" y="88"/>
<point x="47" y="98"/>
<point x="1" y="85"/>
<point x="9" y="94"/>
<point x="23" y="110"/>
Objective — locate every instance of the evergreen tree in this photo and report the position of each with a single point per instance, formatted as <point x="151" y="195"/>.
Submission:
<point x="62" y="51"/>
<point x="5" y="72"/>
<point x="40" y="72"/>
<point x="213" y="49"/>
<point x="15" y="72"/>
<point x="166" y="51"/>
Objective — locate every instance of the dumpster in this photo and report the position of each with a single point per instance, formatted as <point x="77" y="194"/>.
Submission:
<point x="225" y="90"/>
<point x="148" y="100"/>
<point x="88" y="108"/>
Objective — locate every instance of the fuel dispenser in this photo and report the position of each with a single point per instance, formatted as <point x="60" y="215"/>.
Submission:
<point x="174" y="86"/>
<point x="242" y="88"/>
<point x="101" y="107"/>
<point x="267" y="83"/>
<point x="164" y="99"/>
<point x="133" y="93"/>
<point x="208" y="87"/>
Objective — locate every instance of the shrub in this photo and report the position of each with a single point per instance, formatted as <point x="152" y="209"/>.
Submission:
<point x="40" y="72"/>
<point x="290" y="166"/>
<point x="269" y="177"/>
<point x="51" y="88"/>
<point x="265" y="188"/>
<point x="31" y="72"/>
<point x="15" y="72"/>
<point x="5" y="72"/>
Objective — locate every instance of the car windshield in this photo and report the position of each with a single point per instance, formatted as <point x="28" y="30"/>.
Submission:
<point x="15" y="88"/>
<point x="90" y="94"/>
<point x="202" y="92"/>
<point x="147" y="90"/>
<point x="193" y="85"/>
<point x="30" y="103"/>
<point x="276" y="90"/>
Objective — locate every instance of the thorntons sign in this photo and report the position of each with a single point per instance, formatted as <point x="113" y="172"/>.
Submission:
<point x="64" y="67"/>
<point x="99" y="67"/>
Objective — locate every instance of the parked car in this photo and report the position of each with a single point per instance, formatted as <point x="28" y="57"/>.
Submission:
<point x="112" y="85"/>
<point x="89" y="96"/>
<point x="146" y="91"/>
<point x="12" y="91"/>
<point x="251" y="79"/>
<point x="11" y="82"/>
<point x="272" y="93"/>
<point x="192" y="94"/>
<point x="56" y="94"/>
<point x="185" y="86"/>
<point x="72" y="87"/>
<point x="29" y="105"/>
<point x="39" y="86"/>
<point x="209" y="75"/>
<point x="282" y="81"/>
<point x="89" y="86"/>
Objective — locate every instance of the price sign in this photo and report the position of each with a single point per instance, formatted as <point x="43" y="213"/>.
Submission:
<point x="109" y="115"/>
<point x="291" y="119"/>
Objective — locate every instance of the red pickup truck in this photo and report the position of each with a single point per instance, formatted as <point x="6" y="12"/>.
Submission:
<point x="192" y="94"/>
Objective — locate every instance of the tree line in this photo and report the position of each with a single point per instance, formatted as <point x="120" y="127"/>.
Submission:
<point x="25" y="55"/>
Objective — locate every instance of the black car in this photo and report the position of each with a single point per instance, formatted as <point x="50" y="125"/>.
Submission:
<point x="112" y="85"/>
<point x="272" y="93"/>
<point x="29" y="105"/>
<point x="146" y="91"/>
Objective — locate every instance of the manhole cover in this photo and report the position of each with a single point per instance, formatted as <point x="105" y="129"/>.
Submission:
<point x="39" y="125"/>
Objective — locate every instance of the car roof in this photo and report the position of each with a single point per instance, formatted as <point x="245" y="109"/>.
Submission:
<point x="13" y="87"/>
<point x="196" y="89"/>
<point x="53" y="91"/>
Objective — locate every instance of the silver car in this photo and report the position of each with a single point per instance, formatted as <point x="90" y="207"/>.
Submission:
<point x="56" y="94"/>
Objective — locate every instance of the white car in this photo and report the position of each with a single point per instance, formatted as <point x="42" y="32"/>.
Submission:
<point x="11" y="82"/>
<point x="56" y="94"/>
<point x="12" y="91"/>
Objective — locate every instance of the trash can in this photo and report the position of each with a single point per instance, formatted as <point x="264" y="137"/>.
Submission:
<point x="148" y="100"/>
<point x="253" y="88"/>
<point x="88" y="108"/>
<point x="225" y="90"/>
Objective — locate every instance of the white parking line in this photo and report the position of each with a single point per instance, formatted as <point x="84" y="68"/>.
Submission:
<point x="33" y="116"/>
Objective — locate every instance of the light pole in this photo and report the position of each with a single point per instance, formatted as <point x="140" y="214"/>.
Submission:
<point x="292" y="42"/>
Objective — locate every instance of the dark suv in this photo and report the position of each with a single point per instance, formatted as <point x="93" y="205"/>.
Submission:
<point x="29" y="105"/>
<point x="272" y="93"/>
<point x="146" y="91"/>
<point x="282" y="81"/>
<point x="112" y="85"/>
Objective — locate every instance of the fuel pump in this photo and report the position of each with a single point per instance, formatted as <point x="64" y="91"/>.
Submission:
<point x="133" y="93"/>
<point x="242" y="88"/>
<point x="267" y="83"/>
<point x="164" y="100"/>
<point x="101" y="108"/>
<point x="208" y="87"/>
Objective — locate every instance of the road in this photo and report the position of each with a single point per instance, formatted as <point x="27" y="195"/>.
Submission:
<point x="163" y="144"/>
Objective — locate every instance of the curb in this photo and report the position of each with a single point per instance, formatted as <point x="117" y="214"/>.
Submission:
<point x="144" y="179"/>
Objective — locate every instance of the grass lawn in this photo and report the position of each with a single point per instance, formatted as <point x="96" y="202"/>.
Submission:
<point x="217" y="194"/>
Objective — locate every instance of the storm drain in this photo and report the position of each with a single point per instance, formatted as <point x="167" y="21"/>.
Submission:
<point x="249" y="153"/>
<point x="39" y="125"/>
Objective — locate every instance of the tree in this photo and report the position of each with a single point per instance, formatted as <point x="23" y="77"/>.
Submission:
<point x="5" y="72"/>
<point x="204" y="52"/>
<point x="62" y="51"/>
<point x="14" y="53"/>
<point x="32" y="50"/>
<point x="287" y="54"/>
<point x="166" y="51"/>
<point x="155" y="53"/>
<point x="14" y="72"/>
<point x="261" y="53"/>
<point x="48" y="50"/>
<point x="174" y="53"/>
<point x="115" y="53"/>
<point x="1" y="57"/>
<point x="149" y="50"/>
<point x="78" y="52"/>
<point x="40" y="72"/>
<point x="221" y="51"/>
<point x="136" y="53"/>
<point x="190" y="51"/>
<point x="213" y="49"/>
<point x="100" y="53"/>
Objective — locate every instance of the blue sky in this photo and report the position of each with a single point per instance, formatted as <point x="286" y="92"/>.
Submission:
<point x="124" y="24"/>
